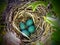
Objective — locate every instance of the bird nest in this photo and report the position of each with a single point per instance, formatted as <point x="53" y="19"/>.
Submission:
<point x="21" y="13"/>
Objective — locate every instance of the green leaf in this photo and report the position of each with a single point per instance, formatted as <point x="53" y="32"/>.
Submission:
<point x="34" y="5"/>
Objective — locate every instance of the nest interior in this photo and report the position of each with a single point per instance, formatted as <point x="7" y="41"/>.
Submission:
<point x="22" y="13"/>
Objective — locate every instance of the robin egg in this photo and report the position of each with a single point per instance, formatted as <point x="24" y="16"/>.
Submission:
<point x="29" y="22"/>
<point x="31" y="29"/>
<point x="26" y="32"/>
<point x="22" y="25"/>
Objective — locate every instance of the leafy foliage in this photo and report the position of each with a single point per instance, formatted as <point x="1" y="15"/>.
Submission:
<point x="34" y="5"/>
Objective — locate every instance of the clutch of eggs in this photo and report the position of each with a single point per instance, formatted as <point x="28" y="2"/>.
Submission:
<point x="30" y="27"/>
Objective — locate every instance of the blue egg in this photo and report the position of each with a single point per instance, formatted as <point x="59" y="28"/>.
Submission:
<point x="26" y="32"/>
<point x="31" y="29"/>
<point x="22" y="25"/>
<point x="29" y="22"/>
